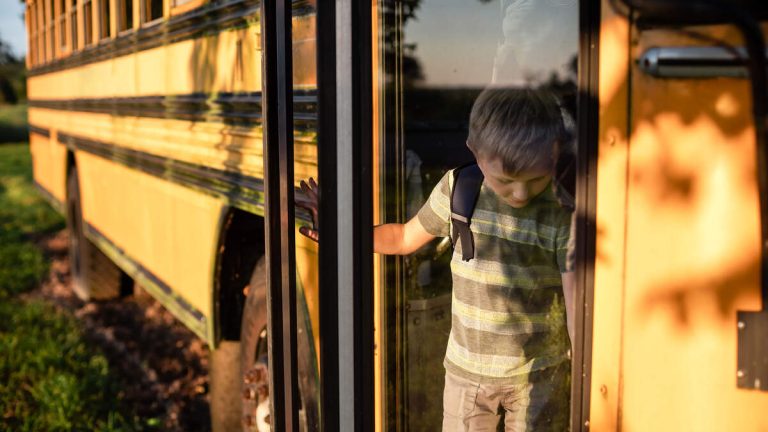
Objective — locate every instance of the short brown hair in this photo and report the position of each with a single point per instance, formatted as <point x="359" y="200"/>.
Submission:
<point x="522" y="127"/>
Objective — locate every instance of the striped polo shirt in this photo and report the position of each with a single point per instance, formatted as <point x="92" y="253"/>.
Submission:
<point x="507" y="306"/>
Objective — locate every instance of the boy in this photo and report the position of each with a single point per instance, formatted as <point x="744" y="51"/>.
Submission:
<point x="507" y="351"/>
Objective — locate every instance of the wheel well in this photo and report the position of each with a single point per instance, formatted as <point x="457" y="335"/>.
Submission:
<point x="241" y="244"/>
<point x="70" y="162"/>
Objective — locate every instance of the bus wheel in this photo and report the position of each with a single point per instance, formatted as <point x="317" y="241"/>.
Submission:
<point x="253" y="354"/>
<point x="94" y="275"/>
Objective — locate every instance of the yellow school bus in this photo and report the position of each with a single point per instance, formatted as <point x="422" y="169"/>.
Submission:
<point x="174" y="134"/>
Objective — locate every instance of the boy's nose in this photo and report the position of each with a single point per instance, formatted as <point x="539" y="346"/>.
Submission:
<point x="520" y="193"/>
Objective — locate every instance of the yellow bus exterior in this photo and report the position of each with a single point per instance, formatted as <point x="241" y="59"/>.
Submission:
<point x="169" y="229"/>
<point x="676" y="204"/>
<point x="677" y="245"/>
<point x="160" y="123"/>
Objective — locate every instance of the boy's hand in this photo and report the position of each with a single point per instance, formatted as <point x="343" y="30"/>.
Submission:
<point x="311" y="192"/>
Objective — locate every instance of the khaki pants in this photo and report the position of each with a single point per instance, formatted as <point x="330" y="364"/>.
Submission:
<point x="541" y="404"/>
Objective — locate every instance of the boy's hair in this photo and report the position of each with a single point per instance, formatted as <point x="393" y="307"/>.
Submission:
<point x="522" y="127"/>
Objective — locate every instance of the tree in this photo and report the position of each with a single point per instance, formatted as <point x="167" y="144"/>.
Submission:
<point x="12" y="75"/>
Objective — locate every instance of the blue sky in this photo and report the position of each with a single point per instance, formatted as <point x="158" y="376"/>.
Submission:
<point x="12" y="25"/>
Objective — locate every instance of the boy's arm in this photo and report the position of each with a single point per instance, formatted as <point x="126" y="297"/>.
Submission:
<point x="390" y="239"/>
<point x="569" y="292"/>
<point x="400" y="239"/>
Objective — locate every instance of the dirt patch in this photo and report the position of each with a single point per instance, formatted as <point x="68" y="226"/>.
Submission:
<point x="163" y="366"/>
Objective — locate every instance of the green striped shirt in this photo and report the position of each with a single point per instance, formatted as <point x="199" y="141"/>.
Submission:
<point x="508" y="307"/>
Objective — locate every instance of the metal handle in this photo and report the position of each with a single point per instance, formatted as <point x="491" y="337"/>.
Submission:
<point x="695" y="62"/>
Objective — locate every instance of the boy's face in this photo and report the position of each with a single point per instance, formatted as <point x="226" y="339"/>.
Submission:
<point x="517" y="190"/>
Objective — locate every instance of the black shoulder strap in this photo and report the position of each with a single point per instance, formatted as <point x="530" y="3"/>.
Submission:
<point x="467" y="180"/>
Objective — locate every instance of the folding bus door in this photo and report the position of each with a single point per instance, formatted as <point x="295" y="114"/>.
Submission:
<point x="434" y="59"/>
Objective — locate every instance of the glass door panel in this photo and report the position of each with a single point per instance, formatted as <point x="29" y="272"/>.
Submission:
<point x="304" y="42"/>
<point x="436" y="57"/>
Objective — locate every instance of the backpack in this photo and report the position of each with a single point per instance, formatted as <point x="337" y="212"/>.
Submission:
<point x="467" y="180"/>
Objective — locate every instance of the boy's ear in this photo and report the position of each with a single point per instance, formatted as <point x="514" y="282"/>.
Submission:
<point x="470" y="148"/>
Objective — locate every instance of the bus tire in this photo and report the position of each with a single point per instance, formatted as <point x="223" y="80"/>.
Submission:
<point x="94" y="275"/>
<point x="254" y="345"/>
<point x="253" y="354"/>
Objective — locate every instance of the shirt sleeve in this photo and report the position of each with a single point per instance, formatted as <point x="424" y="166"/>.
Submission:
<point x="566" y="243"/>
<point x="435" y="214"/>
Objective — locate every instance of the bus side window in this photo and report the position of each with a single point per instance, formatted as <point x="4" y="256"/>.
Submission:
<point x="124" y="15"/>
<point x="151" y="10"/>
<point x="105" y="30"/>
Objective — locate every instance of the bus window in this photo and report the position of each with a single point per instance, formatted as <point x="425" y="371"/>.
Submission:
<point x="152" y="10"/>
<point x="61" y="26"/>
<point x="32" y="32"/>
<point x="48" y="23"/>
<point x="498" y="319"/>
<point x="73" y="24"/>
<point x="105" y="30"/>
<point x="88" y="22"/>
<point x="125" y="15"/>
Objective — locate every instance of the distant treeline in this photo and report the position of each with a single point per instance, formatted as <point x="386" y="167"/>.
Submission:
<point x="13" y="76"/>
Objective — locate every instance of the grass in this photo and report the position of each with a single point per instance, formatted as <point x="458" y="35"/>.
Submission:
<point x="24" y="216"/>
<point x="51" y="379"/>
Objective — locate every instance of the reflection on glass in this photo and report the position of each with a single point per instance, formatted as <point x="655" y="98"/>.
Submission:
<point x="437" y="57"/>
<point x="304" y="41"/>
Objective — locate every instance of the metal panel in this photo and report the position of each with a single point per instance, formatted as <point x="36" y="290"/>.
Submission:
<point x="355" y="215"/>
<point x="345" y="230"/>
<point x="279" y="216"/>
<point x="327" y="217"/>
<point x="752" y="363"/>
<point x="586" y="203"/>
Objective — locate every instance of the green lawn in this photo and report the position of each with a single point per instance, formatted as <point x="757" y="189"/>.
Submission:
<point x="51" y="379"/>
<point x="24" y="216"/>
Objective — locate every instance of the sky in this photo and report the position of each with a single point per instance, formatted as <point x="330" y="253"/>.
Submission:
<point x="457" y="41"/>
<point x="12" y="25"/>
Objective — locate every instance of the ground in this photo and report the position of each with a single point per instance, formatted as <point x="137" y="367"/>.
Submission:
<point x="162" y="365"/>
<point x="123" y="365"/>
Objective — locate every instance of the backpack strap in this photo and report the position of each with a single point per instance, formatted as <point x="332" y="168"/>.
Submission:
<point x="467" y="180"/>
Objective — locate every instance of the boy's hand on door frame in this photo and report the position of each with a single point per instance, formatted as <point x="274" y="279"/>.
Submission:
<point x="311" y="192"/>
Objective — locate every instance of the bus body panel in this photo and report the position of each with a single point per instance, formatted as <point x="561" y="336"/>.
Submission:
<point x="229" y="61"/>
<point x="610" y="205"/>
<point x="167" y="228"/>
<point x="170" y="231"/>
<point x="223" y="147"/>
<point x="693" y="242"/>
<point x="679" y="255"/>
<point x="91" y="103"/>
<point x="307" y="282"/>
<point x="49" y="164"/>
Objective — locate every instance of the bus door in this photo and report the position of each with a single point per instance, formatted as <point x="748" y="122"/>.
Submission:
<point x="317" y="82"/>
<point x="434" y="59"/>
<point x="290" y="155"/>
